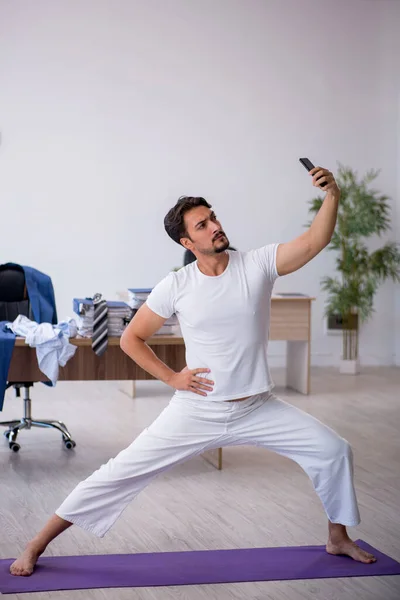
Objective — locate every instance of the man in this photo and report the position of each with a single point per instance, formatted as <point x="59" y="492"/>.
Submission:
<point x="223" y="397"/>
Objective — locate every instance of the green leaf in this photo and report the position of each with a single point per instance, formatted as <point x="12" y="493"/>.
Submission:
<point x="384" y="263"/>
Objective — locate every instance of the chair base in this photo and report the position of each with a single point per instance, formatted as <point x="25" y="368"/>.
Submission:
<point x="14" y="427"/>
<point x="27" y="422"/>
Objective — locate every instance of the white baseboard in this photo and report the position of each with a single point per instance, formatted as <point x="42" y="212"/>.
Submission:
<point x="330" y="360"/>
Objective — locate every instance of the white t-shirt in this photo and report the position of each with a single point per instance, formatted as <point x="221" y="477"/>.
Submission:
<point x="224" y="321"/>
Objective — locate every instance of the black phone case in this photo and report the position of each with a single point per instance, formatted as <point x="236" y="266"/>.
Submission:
<point x="308" y="165"/>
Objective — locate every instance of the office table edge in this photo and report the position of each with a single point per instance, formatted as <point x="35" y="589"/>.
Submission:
<point x="164" y="339"/>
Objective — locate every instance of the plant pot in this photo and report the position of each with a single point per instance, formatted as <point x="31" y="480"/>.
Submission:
<point x="349" y="367"/>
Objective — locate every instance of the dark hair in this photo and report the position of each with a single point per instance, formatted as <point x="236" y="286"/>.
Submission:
<point x="189" y="257"/>
<point x="173" y="221"/>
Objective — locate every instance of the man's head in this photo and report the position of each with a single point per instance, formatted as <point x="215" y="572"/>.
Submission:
<point x="193" y="224"/>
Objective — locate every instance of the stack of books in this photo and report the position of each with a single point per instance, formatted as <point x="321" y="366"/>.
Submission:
<point x="119" y="315"/>
<point x="138" y="296"/>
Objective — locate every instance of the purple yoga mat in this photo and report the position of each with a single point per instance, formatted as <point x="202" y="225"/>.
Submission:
<point x="190" y="568"/>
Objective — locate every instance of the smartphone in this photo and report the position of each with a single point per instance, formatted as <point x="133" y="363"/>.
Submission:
<point x="308" y="165"/>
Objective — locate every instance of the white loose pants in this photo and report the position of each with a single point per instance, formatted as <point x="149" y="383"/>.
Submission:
<point x="188" y="427"/>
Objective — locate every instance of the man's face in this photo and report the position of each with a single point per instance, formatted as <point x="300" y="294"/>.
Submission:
<point x="206" y="235"/>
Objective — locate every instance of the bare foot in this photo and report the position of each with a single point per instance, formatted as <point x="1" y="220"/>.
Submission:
<point x="25" y="564"/>
<point x="350" y="548"/>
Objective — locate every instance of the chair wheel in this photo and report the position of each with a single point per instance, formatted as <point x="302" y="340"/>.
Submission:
<point x="14" y="446"/>
<point x="69" y="444"/>
<point x="7" y="434"/>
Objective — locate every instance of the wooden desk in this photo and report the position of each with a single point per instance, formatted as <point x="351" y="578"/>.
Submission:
<point x="114" y="365"/>
<point x="291" y="322"/>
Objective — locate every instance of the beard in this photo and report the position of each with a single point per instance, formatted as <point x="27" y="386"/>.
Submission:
<point x="218" y="246"/>
<point x="223" y="244"/>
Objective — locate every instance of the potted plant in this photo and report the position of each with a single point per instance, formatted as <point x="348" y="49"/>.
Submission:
<point x="363" y="212"/>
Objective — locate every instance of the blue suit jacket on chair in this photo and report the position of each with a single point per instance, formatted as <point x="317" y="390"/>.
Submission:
<point x="43" y="305"/>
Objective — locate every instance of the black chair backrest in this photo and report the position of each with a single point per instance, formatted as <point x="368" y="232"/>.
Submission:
<point x="14" y="300"/>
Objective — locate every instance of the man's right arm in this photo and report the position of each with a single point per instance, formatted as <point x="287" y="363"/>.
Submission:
<point x="144" y="324"/>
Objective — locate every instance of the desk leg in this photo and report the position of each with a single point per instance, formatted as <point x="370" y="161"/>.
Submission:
<point x="298" y="366"/>
<point x="128" y="388"/>
<point x="214" y="457"/>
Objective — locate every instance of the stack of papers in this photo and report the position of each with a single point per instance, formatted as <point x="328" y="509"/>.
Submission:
<point x="138" y="296"/>
<point x="289" y="295"/>
<point x="119" y="315"/>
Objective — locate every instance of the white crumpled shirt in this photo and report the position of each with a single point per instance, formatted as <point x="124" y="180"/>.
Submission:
<point x="53" y="349"/>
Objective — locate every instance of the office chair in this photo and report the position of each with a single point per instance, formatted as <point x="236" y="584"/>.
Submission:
<point x="14" y="301"/>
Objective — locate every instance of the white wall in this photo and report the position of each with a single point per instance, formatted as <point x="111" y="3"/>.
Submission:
<point x="397" y="293"/>
<point x="388" y="84"/>
<point x="395" y="21"/>
<point x="110" y="110"/>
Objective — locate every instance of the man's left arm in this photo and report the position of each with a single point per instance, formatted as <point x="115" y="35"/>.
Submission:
<point x="293" y="255"/>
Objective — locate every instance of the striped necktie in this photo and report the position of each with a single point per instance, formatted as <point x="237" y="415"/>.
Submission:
<point x="100" y="325"/>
